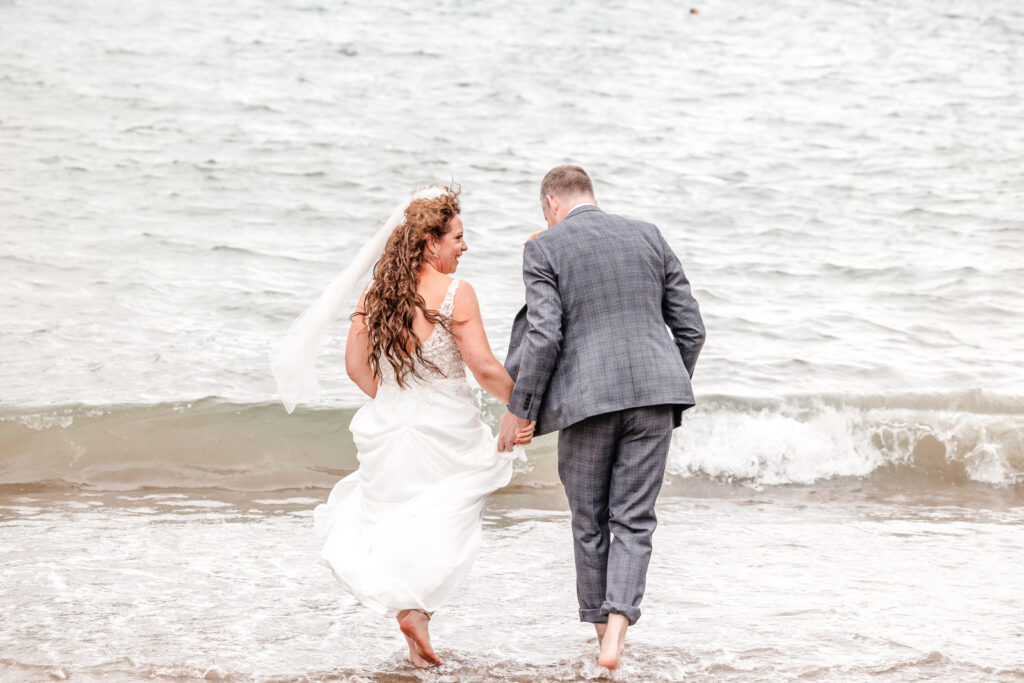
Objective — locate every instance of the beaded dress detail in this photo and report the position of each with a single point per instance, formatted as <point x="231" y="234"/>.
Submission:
<point x="440" y="349"/>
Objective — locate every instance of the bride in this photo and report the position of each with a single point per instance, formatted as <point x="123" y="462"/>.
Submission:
<point x="402" y="531"/>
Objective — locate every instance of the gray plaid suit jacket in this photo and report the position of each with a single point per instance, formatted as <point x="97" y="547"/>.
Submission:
<point x="592" y="338"/>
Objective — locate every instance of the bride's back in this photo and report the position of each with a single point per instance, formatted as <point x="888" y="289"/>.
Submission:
<point x="433" y="288"/>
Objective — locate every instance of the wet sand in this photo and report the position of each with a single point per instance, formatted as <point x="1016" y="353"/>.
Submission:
<point x="815" y="583"/>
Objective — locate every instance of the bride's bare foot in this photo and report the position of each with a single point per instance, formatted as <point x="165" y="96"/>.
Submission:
<point x="414" y="657"/>
<point x="413" y="623"/>
<point x="614" y="642"/>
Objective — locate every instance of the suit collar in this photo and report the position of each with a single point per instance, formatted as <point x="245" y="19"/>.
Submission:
<point x="579" y="210"/>
<point x="576" y="211"/>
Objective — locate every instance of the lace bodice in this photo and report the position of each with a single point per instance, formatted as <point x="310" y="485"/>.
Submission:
<point x="439" y="348"/>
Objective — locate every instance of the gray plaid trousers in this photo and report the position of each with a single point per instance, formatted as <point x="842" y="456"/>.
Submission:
<point x="612" y="467"/>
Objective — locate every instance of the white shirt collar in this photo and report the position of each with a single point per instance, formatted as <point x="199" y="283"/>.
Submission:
<point x="578" y="206"/>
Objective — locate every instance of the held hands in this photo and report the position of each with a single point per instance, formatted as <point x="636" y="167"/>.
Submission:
<point x="525" y="436"/>
<point x="514" y="430"/>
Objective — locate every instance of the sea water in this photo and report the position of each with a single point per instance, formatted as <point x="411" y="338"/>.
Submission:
<point x="841" y="180"/>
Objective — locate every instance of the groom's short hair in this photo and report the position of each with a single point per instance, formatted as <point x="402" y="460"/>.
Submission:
<point x="566" y="181"/>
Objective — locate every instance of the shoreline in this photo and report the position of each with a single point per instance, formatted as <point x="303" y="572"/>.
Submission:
<point x="973" y="498"/>
<point x="180" y="585"/>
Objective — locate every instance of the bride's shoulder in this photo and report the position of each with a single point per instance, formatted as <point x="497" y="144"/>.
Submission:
<point x="465" y="301"/>
<point x="453" y="285"/>
<point x="458" y="285"/>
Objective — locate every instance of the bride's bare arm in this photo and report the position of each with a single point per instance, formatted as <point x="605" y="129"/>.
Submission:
<point x="468" y="328"/>
<point x="357" y="360"/>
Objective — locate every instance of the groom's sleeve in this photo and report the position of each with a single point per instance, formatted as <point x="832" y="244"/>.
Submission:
<point x="680" y="310"/>
<point x="515" y="344"/>
<point x="543" y="340"/>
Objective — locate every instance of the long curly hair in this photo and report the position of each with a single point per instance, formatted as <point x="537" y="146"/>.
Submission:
<point x="391" y="303"/>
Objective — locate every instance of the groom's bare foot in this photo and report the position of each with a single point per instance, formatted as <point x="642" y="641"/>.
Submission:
<point x="413" y="623"/>
<point x="600" y="628"/>
<point x="614" y="642"/>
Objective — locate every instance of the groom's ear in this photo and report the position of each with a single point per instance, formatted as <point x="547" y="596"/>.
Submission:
<point x="550" y="205"/>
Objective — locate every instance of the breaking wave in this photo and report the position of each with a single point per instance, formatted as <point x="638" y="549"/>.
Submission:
<point x="939" y="440"/>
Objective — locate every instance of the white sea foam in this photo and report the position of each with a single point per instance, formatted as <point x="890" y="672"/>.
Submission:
<point x="770" y="447"/>
<point x="739" y="590"/>
<point x="801" y="442"/>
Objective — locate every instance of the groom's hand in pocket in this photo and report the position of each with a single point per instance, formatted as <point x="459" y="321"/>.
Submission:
<point x="511" y="427"/>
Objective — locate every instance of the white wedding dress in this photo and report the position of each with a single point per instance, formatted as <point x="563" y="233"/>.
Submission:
<point x="403" y="530"/>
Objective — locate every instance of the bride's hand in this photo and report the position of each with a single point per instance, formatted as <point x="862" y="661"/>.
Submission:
<point x="525" y="436"/>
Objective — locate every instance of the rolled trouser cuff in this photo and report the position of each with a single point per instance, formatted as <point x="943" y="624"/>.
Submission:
<point x="629" y="611"/>
<point x="594" y="616"/>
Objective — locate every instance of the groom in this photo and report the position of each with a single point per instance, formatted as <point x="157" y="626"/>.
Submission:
<point x="592" y="359"/>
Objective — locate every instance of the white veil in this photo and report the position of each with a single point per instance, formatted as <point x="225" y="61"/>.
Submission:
<point x="294" y="360"/>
